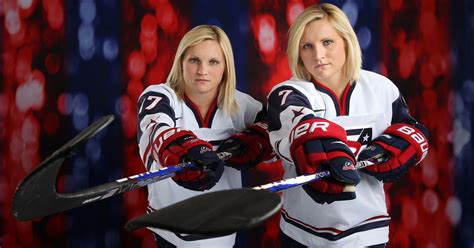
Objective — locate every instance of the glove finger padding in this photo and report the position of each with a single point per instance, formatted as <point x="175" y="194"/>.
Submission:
<point x="325" y="150"/>
<point x="406" y="145"/>
<point x="249" y="147"/>
<point x="175" y="146"/>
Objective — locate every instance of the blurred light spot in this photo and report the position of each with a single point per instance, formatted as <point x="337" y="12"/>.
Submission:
<point x="136" y="65"/>
<point x="468" y="91"/>
<point x="409" y="214"/>
<point x="264" y="30"/>
<point x="429" y="171"/>
<point x="352" y="11"/>
<point x="453" y="210"/>
<point x="64" y="104"/>
<point x="427" y="23"/>
<point x="81" y="104"/>
<point x="55" y="15"/>
<point x="12" y="21"/>
<point x="110" y="49"/>
<point x="30" y="130"/>
<point x="430" y="201"/>
<point x="25" y="4"/>
<point x="31" y="93"/>
<point x="293" y="10"/>
<point x="149" y="47"/>
<point x="23" y="63"/>
<point x="87" y="11"/>
<point x="462" y="137"/>
<point x="123" y="105"/>
<point x="79" y="176"/>
<point x="93" y="150"/>
<point x="80" y="122"/>
<point x="85" y="35"/>
<point x="395" y="4"/>
<point x="166" y="17"/>
<point x="87" y="52"/>
<point x="365" y="37"/>
<point x="148" y="26"/>
<point x="406" y="60"/>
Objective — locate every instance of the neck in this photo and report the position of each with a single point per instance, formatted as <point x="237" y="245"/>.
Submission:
<point x="202" y="101"/>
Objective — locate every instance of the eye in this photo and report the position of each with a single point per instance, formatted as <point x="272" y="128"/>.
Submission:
<point x="307" y="46"/>
<point x="214" y="62"/>
<point x="193" y="60"/>
<point x="327" y="42"/>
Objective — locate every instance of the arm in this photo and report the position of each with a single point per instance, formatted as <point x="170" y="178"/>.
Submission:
<point x="162" y="142"/>
<point x="312" y="144"/>
<point x="406" y="141"/>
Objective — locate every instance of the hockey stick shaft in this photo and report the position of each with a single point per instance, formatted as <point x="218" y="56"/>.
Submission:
<point x="137" y="181"/>
<point x="304" y="179"/>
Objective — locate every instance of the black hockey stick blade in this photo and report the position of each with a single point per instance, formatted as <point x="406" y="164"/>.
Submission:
<point x="216" y="213"/>
<point x="36" y="195"/>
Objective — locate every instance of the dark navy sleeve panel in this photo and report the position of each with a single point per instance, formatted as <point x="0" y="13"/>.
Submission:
<point x="401" y="113"/>
<point x="280" y="99"/>
<point x="261" y="115"/>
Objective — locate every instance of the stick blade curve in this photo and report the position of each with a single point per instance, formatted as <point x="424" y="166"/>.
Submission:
<point x="36" y="195"/>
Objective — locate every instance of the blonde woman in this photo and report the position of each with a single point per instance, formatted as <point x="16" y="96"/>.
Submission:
<point x="326" y="115"/>
<point x="188" y="117"/>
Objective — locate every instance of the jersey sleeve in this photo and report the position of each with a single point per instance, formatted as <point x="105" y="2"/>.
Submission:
<point x="287" y="105"/>
<point x="155" y="114"/>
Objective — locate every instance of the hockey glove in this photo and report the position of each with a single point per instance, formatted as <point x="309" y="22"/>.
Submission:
<point x="174" y="146"/>
<point x="407" y="146"/>
<point x="249" y="147"/>
<point x="318" y="144"/>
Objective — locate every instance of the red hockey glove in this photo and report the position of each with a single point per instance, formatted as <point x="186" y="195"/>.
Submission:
<point x="407" y="146"/>
<point x="318" y="144"/>
<point x="174" y="146"/>
<point x="249" y="147"/>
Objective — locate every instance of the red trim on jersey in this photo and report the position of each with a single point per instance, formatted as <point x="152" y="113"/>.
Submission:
<point x="207" y="120"/>
<point x="341" y="103"/>
<point x="330" y="229"/>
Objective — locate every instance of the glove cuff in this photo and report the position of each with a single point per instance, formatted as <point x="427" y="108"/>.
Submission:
<point x="412" y="135"/>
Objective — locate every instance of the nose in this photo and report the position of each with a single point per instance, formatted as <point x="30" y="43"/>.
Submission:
<point x="318" y="53"/>
<point x="202" y="70"/>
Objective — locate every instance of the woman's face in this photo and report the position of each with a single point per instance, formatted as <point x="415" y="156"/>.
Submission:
<point x="322" y="51"/>
<point x="203" y="68"/>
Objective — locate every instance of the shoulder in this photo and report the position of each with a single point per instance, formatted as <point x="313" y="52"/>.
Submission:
<point x="295" y="84"/>
<point x="245" y="101"/>
<point x="378" y="83"/>
<point x="160" y="89"/>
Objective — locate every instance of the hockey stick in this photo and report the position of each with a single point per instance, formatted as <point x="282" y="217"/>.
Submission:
<point x="227" y="211"/>
<point x="36" y="195"/>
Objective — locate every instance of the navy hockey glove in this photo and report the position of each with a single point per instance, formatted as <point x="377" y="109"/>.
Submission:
<point x="407" y="146"/>
<point x="318" y="144"/>
<point x="174" y="146"/>
<point x="249" y="147"/>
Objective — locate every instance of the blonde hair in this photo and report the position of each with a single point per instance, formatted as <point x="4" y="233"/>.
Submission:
<point x="227" y="87"/>
<point x="341" y="23"/>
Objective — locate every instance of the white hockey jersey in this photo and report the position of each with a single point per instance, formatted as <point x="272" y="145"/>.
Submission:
<point x="367" y="108"/>
<point x="159" y="109"/>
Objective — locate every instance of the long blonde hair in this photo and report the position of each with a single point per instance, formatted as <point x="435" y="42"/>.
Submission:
<point x="341" y="23"/>
<point x="227" y="87"/>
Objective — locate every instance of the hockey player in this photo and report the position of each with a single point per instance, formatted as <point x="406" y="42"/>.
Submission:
<point x="187" y="117"/>
<point x="326" y="115"/>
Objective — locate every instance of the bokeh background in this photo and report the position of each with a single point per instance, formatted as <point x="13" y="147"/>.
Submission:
<point x="66" y="63"/>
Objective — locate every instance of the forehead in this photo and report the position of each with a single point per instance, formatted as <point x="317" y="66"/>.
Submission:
<point x="206" y="48"/>
<point x="319" y="29"/>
